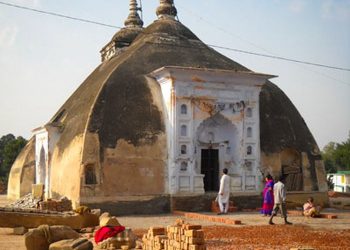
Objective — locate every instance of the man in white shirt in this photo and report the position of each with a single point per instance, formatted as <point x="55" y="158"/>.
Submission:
<point x="224" y="192"/>
<point x="279" y="193"/>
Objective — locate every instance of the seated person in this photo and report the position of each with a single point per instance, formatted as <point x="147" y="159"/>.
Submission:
<point x="310" y="209"/>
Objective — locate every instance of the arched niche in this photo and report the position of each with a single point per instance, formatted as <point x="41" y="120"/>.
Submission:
<point x="183" y="109"/>
<point x="291" y="169"/>
<point x="183" y="130"/>
<point x="217" y="140"/>
<point x="90" y="175"/>
<point x="42" y="165"/>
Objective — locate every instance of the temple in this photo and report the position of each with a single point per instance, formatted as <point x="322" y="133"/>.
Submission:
<point x="152" y="127"/>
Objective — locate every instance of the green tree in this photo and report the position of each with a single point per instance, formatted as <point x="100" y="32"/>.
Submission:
<point x="4" y="140"/>
<point x="328" y="157"/>
<point x="10" y="147"/>
<point x="342" y="155"/>
<point x="336" y="156"/>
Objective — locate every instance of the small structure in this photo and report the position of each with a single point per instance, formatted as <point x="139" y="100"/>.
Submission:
<point x="340" y="181"/>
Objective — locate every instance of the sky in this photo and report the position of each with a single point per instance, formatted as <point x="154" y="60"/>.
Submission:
<point x="43" y="58"/>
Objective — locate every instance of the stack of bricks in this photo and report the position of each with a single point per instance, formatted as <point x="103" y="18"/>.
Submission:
<point x="64" y="204"/>
<point x="178" y="237"/>
<point x="56" y="205"/>
<point x="124" y="240"/>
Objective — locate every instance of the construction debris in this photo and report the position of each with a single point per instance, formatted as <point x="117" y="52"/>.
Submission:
<point x="61" y="205"/>
<point x="27" y="201"/>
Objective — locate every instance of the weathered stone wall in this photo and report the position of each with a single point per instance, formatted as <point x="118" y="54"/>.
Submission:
<point x="271" y="163"/>
<point x="21" y="175"/>
<point x="312" y="175"/>
<point x="297" y="199"/>
<point x="130" y="170"/>
<point x="65" y="174"/>
<point x="321" y="175"/>
<point x="27" y="178"/>
<point x="126" y="168"/>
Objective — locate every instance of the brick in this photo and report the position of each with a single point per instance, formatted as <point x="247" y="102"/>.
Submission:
<point x="157" y="231"/>
<point x="328" y="216"/>
<point x="197" y="247"/>
<point x="195" y="227"/>
<point x="192" y="240"/>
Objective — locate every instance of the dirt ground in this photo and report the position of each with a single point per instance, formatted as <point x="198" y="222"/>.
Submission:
<point x="254" y="233"/>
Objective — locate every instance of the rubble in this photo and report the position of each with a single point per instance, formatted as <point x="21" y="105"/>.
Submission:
<point x="27" y="201"/>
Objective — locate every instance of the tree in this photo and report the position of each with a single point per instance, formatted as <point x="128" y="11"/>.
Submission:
<point x="328" y="157"/>
<point x="342" y="155"/>
<point x="336" y="156"/>
<point x="4" y="140"/>
<point x="10" y="147"/>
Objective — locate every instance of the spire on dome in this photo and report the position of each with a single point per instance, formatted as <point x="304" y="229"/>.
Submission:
<point x="133" y="19"/>
<point x="166" y="9"/>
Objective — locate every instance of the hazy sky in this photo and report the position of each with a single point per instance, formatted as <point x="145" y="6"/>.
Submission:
<point x="43" y="59"/>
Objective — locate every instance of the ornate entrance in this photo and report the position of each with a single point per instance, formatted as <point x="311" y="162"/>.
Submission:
<point x="210" y="169"/>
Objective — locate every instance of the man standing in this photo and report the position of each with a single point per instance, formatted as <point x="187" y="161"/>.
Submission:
<point x="280" y="201"/>
<point x="224" y="192"/>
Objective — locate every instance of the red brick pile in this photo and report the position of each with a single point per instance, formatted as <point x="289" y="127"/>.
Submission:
<point x="198" y="216"/>
<point x="177" y="237"/>
<point x="61" y="205"/>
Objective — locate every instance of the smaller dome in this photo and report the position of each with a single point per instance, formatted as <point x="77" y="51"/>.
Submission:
<point x="125" y="36"/>
<point x="166" y="8"/>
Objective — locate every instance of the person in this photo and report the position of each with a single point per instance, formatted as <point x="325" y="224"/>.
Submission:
<point x="279" y="193"/>
<point x="268" y="199"/>
<point x="309" y="208"/>
<point x="224" y="192"/>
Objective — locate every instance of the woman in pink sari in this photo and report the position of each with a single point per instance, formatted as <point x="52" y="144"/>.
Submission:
<point x="268" y="196"/>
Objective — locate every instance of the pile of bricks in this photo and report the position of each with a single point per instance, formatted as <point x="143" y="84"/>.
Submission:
<point x="61" y="205"/>
<point x="198" y="216"/>
<point x="124" y="240"/>
<point x="177" y="237"/>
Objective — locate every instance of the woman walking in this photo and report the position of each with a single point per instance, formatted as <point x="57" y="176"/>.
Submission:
<point x="268" y="196"/>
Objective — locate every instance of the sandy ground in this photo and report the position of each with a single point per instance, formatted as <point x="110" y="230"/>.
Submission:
<point x="320" y="233"/>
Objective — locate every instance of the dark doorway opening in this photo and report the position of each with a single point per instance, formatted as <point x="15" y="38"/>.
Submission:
<point x="210" y="169"/>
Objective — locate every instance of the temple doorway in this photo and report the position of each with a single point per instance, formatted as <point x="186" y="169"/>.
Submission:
<point x="210" y="169"/>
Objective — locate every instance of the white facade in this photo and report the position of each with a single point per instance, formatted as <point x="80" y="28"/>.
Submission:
<point x="212" y="124"/>
<point x="45" y="140"/>
<point x="341" y="181"/>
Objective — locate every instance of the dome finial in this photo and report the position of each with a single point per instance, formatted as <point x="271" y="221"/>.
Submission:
<point x="133" y="19"/>
<point x="166" y="9"/>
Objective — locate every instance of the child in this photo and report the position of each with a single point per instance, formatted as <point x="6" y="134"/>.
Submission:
<point x="310" y="210"/>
